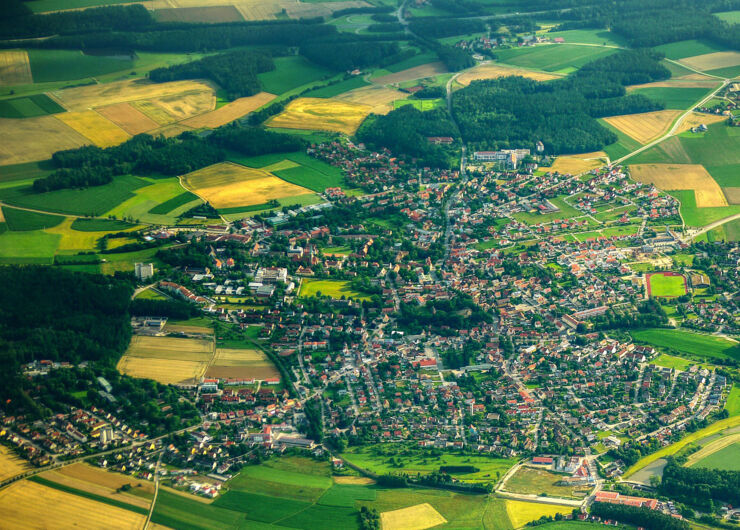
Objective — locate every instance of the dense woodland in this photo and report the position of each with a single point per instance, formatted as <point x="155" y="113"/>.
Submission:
<point x="236" y="72"/>
<point x="342" y="55"/>
<point x="640" y="517"/>
<point x="700" y="487"/>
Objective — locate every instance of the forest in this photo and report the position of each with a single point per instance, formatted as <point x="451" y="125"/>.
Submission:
<point x="641" y="517"/>
<point x="441" y="315"/>
<point x="699" y="487"/>
<point x="236" y="72"/>
<point x="348" y="55"/>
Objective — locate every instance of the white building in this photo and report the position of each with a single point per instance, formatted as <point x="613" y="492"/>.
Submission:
<point x="144" y="271"/>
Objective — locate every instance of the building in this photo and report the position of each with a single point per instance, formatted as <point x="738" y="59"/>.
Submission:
<point x="699" y="281"/>
<point x="144" y="271"/>
<point x="271" y="275"/>
<point x="505" y="159"/>
<point x="612" y="497"/>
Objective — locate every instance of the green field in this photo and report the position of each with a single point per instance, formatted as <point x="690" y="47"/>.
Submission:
<point x="674" y="98"/>
<point x="421" y="104"/>
<point x="67" y="65"/>
<point x="733" y="17"/>
<point x="732" y="406"/>
<point x="42" y="6"/>
<point x="154" y="193"/>
<point x="174" y="203"/>
<point x="29" y="106"/>
<point x="561" y="58"/>
<point x="291" y="72"/>
<point x="695" y="216"/>
<point x="533" y="481"/>
<point x="623" y="146"/>
<point x="28" y="247"/>
<point x="416" y="60"/>
<point x="686" y="342"/>
<point x="176" y="511"/>
<point x="671" y="361"/>
<point x="339" y="88"/>
<point x="22" y="220"/>
<point x="663" y="285"/>
<point x="586" y="36"/>
<point x="29" y="170"/>
<point x="332" y="288"/>
<point x="688" y="48"/>
<point x="100" y="225"/>
<point x="727" y="459"/>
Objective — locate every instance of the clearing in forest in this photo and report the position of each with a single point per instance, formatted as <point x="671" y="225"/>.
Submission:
<point x="682" y="177"/>
<point x="645" y="126"/>
<point x="322" y="115"/>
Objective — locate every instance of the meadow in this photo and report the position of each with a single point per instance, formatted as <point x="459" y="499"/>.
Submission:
<point x="561" y="58"/>
<point x="338" y="88"/>
<point x="673" y="98"/>
<point x="687" y="48"/>
<point x="29" y="106"/>
<point x="158" y="194"/>
<point x="68" y="65"/>
<point x="22" y="220"/>
<point x="686" y="342"/>
<point x="587" y="36"/>
<point x="531" y="481"/>
<point x="291" y="73"/>
<point x="332" y="288"/>
<point x="725" y="455"/>
<point x="733" y="17"/>
<point x="420" y="104"/>
<point x="671" y="361"/>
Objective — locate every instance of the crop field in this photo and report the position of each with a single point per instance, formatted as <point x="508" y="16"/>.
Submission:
<point x="73" y="240"/>
<point x="694" y="177"/>
<point x="15" y="68"/>
<point x="417" y="517"/>
<point x="696" y="118"/>
<point x="28" y="247"/>
<point x="687" y="48"/>
<point x="686" y="342"/>
<point x="674" y="97"/>
<point x="378" y="97"/>
<point x="23" y="220"/>
<point x="66" y="65"/>
<point x="35" y="139"/>
<point x="722" y="452"/>
<point x="666" y="284"/>
<point x="156" y="193"/>
<point x="128" y="118"/>
<point x="228" y="185"/>
<point x="494" y="71"/>
<point x="522" y="512"/>
<point x="45" y="6"/>
<point x="27" y="504"/>
<point x="290" y="73"/>
<point x="175" y="203"/>
<point x="11" y="464"/>
<point x="184" y="106"/>
<point x="712" y="61"/>
<point x="211" y="15"/>
<point x="230" y="112"/>
<point x="342" y="87"/>
<point x="332" y="288"/>
<point x="232" y="363"/>
<point x="417" y="72"/>
<point x="733" y="17"/>
<point x="153" y="111"/>
<point x="100" y="131"/>
<point x="420" y="104"/>
<point x="580" y="163"/>
<point x="29" y="106"/>
<point x="532" y="481"/>
<point x="167" y="360"/>
<point x="561" y="58"/>
<point x="321" y="114"/>
<point x="645" y="126"/>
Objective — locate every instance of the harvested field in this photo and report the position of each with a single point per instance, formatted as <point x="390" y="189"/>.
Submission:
<point x="91" y="96"/>
<point x="153" y="112"/>
<point x="689" y="81"/>
<point x="354" y="481"/>
<point x="230" y="112"/>
<point x="697" y="118"/>
<point x="128" y="118"/>
<point x="322" y="115"/>
<point x="168" y="131"/>
<point x="211" y="15"/>
<point x="417" y="517"/>
<point x="228" y="185"/>
<point x="99" y="130"/>
<point x="242" y="364"/>
<point x="646" y="126"/>
<point x="34" y="139"/>
<point x="417" y="72"/>
<point x="682" y="177"/>
<point x="712" y="61"/>
<point x="494" y="71"/>
<point x="575" y="164"/>
<point x="732" y="195"/>
<point x="10" y="463"/>
<point x="179" y="328"/>
<point x="27" y="504"/>
<point x="521" y="512"/>
<point x="380" y="98"/>
<point x="15" y="68"/>
<point x="166" y="359"/>
<point x="184" y="106"/>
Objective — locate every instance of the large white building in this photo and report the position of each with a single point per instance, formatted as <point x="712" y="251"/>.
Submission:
<point x="507" y="158"/>
<point x="144" y="271"/>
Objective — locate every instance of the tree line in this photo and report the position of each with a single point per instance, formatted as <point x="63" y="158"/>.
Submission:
<point x="641" y="517"/>
<point x="700" y="487"/>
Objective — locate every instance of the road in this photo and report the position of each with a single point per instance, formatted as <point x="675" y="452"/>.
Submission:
<point x="156" y="490"/>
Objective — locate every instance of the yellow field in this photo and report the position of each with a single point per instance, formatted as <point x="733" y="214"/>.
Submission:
<point x="355" y="481"/>
<point x="153" y="111"/>
<point x="99" y="130"/>
<point x="2" y="220"/>
<point x="695" y="119"/>
<point x="11" y="464"/>
<point x="693" y="81"/>
<point x="230" y="112"/>
<point x="26" y="504"/>
<point x="166" y="359"/>
<point x="416" y="517"/>
<point x="521" y="512"/>
<point x="682" y="177"/>
<point x="321" y="114"/>
<point x="646" y="126"/>
<point x="238" y="363"/>
<point x="33" y="139"/>
<point x="76" y="240"/>
<point x="15" y="68"/>
<point x="417" y="72"/>
<point x="580" y="163"/>
<point x="494" y="71"/>
<point x="378" y="97"/>
<point x="712" y="61"/>
<point x="228" y="185"/>
<point x="279" y="166"/>
<point x="128" y="118"/>
<point x="184" y="106"/>
<point x="177" y="328"/>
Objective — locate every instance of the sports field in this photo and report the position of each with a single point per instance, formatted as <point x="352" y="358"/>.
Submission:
<point x="579" y="163"/>
<point x="686" y="342"/>
<point x="35" y="139"/>
<point x="11" y="464"/>
<point x="332" y="288"/>
<point x="532" y="481"/>
<point x="521" y="512"/>
<point x="494" y="71"/>
<point x="231" y="363"/>
<point x="230" y="112"/>
<point x="682" y="177"/>
<point x="321" y="114"/>
<point x="645" y="126"/>
<point x="666" y="284"/>
<point x="26" y="504"/>
<point x="418" y="517"/>
<point x="99" y="130"/>
<point x="14" y="68"/>
<point x="167" y="360"/>
<point x="229" y="185"/>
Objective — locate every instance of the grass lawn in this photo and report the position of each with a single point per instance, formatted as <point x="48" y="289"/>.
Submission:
<point x="561" y="58"/>
<point x="291" y="72"/>
<point x="664" y="285"/>
<point x="674" y="98"/>
<point x="532" y="481"/>
<point x="706" y="346"/>
<point x="733" y="401"/>
<point x="333" y="288"/>
<point x="22" y="220"/>
<point x="727" y="459"/>
<point x="150" y="294"/>
<point x="671" y="361"/>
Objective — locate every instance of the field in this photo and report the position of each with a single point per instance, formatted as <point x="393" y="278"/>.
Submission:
<point x="694" y="177"/>
<point x="66" y="65"/>
<point x="15" y="68"/>
<point x="580" y="163"/>
<point x="149" y="202"/>
<point x="100" y="131"/>
<point x="721" y="453"/>
<point x="166" y="360"/>
<point x="420" y="104"/>
<point x="565" y="212"/>
<point x="417" y="517"/>
<point x="11" y="464"/>
<point x="290" y="73"/>
<point x="242" y="364"/>
<point x="34" y="139"/>
<point x="28" y="107"/>
<point x="230" y="112"/>
<point x="128" y="118"/>
<point x="211" y="15"/>
<point x="712" y="61"/>
<point x="532" y="481"/>
<point x="671" y="361"/>
<point x="378" y="97"/>
<point x="666" y="284"/>
<point x="22" y="220"/>
<point x="686" y="342"/>
<point x="332" y="288"/>
<point x="733" y="17"/>
<point x="675" y="96"/>
<point x="228" y="185"/>
<point x="561" y="58"/>
<point x="321" y="114"/>
<point x="27" y="504"/>
<point x="342" y="87"/>
<point x="494" y="71"/>
<point x="695" y="119"/>
<point x="645" y="126"/>
<point x="687" y="48"/>
<point x="520" y="512"/>
<point x="417" y="72"/>
<point x="28" y="247"/>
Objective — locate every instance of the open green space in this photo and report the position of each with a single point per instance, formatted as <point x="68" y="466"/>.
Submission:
<point x="28" y="247"/>
<point x="260" y="507"/>
<point x="695" y="216"/>
<point x="732" y="406"/>
<point x="411" y="62"/>
<point x="623" y="146"/>
<point x="733" y="17"/>
<point x="149" y="197"/>
<point x="533" y="481"/>
<point x="565" y="211"/>
<point x="333" y="288"/>
<point x="25" y="171"/>
<point x="727" y="459"/>
<point x="43" y="6"/>
<point x="346" y="495"/>
<point x="686" y="342"/>
<point x="100" y="225"/>
<point x="177" y="511"/>
<point x="588" y="36"/>
<point x="674" y="98"/>
<point x="663" y="285"/>
<point x="29" y="106"/>
<point x="311" y="173"/>
<point x="688" y="48"/>
<point x="296" y="478"/>
<point x="562" y="58"/>
<point x="338" y="88"/>
<point x="291" y="72"/>
<point x="22" y="220"/>
<point x="67" y="65"/>
<point x="671" y="361"/>
<point x="174" y="203"/>
<point x="421" y="104"/>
